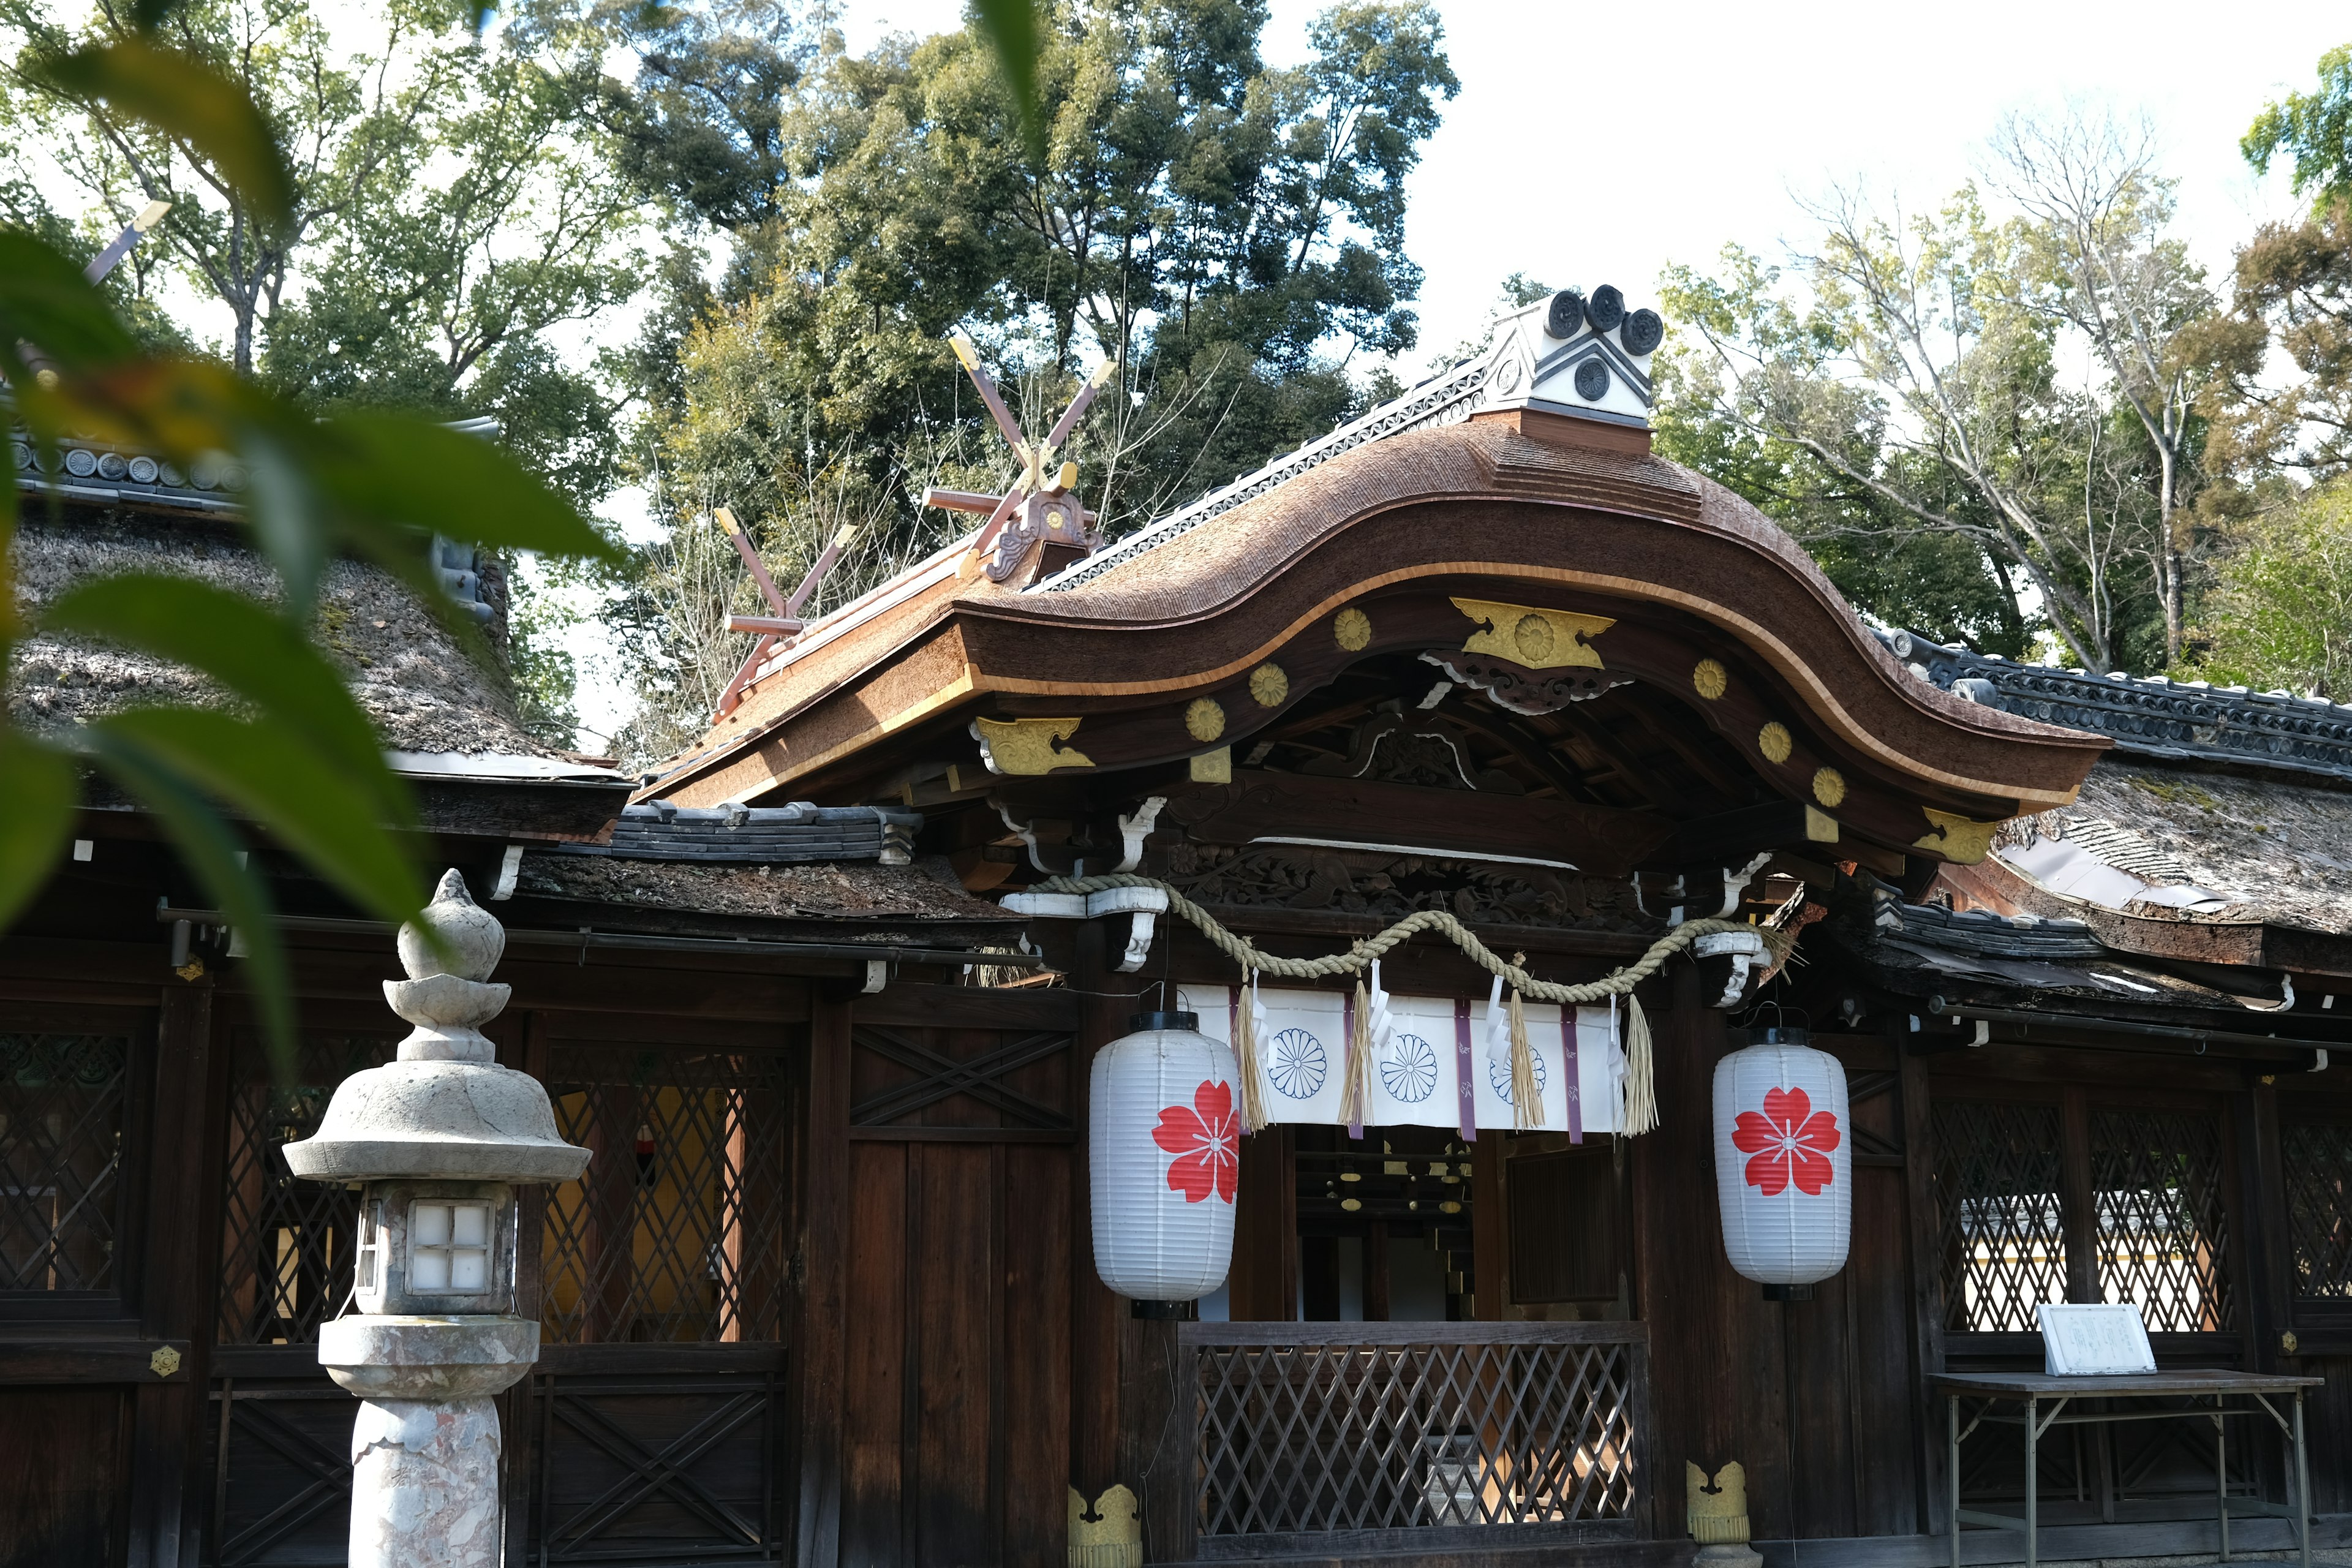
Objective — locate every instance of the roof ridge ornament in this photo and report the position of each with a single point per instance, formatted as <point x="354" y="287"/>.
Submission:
<point x="1037" y="509"/>
<point x="1587" y="357"/>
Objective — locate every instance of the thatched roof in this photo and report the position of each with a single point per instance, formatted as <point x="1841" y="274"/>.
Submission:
<point x="2149" y="837"/>
<point x="424" y="688"/>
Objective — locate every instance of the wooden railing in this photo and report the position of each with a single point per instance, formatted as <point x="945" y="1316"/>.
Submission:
<point x="1360" y="1436"/>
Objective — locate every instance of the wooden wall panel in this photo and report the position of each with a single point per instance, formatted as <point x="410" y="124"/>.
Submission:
<point x="1040" y="1261"/>
<point x="958" y="1264"/>
<point x="62" y="1493"/>
<point x="1719" y="1384"/>
<point x="874" y="1352"/>
<point x="2327" y="1432"/>
<point x="1885" y="1368"/>
<point x="818" y="1369"/>
<point x="955" y="1291"/>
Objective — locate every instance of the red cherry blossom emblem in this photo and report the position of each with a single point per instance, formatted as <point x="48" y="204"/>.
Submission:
<point x="1204" y="1139"/>
<point x="1790" y="1141"/>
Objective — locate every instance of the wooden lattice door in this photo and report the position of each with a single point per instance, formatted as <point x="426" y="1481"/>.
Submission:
<point x="654" y="1428"/>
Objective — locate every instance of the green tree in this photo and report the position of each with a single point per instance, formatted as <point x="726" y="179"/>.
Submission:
<point x="1898" y="400"/>
<point x="447" y="210"/>
<point x="1230" y="235"/>
<point x="291" y="751"/>
<point x="2313" y="128"/>
<point x="2280" y="614"/>
<point x="2294" y="292"/>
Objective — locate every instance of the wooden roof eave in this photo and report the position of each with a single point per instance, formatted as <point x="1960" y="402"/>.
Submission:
<point x="1019" y="647"/>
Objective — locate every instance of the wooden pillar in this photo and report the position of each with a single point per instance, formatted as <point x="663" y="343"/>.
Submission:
<point x="1376" y="1272"/>
<point x="2079" y="1203"/>
<point x="1718" y="1357"/>
<point x="818" y="1346"/>
<point x="609" y="1203"/>
<point x="1097" y="1315"/>
<point x="173" y="1301"/>
<point x="1927" y="1261"/>
<point x="1489" y="1237"/>
<point x="1266" y="1231"/>
<point x="2266" y="1269"/>
<point x="522" y="1045"/>
<point x="1161" y="1412"/>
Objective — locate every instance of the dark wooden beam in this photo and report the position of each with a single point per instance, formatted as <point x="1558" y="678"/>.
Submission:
<point x="817" y="1363"/>
<point x="1266" y="1231"/>
<point x="1603" y="841"/>
<point x="172" y="1277"/>
<point x="1739" y="835"/>
<point x="1517" y="739"/>
<point x="1096" y="1313"/>
<point x="1926" y="1263"/>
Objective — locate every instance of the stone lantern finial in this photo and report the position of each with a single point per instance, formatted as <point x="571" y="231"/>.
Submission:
<point x="439" y="1137"/>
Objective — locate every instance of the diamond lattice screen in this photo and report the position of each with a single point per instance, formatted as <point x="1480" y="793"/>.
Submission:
<point x="677" y="1231"/>
<point x="1353" y="1437"/>
<point x="2163" y="1221"/>
<point x="2318" y="1160"/>
<point x="61" y="1159"/>
<point x="286" y="1244"/>
<point x="1997" y="1201"/>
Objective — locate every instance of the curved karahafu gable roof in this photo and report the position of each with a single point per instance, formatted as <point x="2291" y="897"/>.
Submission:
<point x="1519" y="545"/>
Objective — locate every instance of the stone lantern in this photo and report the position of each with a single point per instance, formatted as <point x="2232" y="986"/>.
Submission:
<point x="438" y="1140"/>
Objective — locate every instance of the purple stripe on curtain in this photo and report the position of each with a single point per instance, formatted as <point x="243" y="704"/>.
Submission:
<point x="1465" y="1087"/>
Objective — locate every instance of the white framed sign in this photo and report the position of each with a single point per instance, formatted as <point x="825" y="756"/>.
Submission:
<point x="2084" y="1342"/>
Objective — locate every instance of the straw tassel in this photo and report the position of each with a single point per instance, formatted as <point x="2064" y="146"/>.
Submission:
<point x="1527" y="1099"/>
<point x="1356" y="1090"/>
<point x="1246" y="1026"/>
<point x="1640" y="1077"/>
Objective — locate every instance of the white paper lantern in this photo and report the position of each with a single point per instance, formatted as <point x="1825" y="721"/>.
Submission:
<point x="1164" y="1148"/>
<point x="1783" y="1161"/>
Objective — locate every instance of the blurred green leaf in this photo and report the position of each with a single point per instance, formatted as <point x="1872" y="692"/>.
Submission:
<point x="1011" y="28"/>
<point x="281" y="507"/>
<point x="257" y="655"/>
<point x="402" y="468"/>
<point x="266" y="767"/>
<point x="210" y="848"/>
<point x="186" y="98"/>
<point x="37" y="785"/>
<point x="45" y="302"/>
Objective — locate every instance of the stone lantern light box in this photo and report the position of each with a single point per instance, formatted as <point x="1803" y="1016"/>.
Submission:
<point x="438" y="1140"/>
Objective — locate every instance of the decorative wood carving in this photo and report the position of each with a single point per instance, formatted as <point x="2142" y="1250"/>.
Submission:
<point x="1520" y="689"/>
<point x="1021" y="747"/>
<point x="1406" y="749"/>
<point x="1538" y="638"/>
<point x="1596" y="839"/>
<point x="1389" y="885"/>
<point x="1956" y="839"/>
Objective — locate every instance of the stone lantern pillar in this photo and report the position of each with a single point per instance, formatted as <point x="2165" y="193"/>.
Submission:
<point x="438" y="1139"/>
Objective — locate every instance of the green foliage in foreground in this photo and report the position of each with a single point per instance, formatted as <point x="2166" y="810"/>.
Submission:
<point x="295" y="758"/>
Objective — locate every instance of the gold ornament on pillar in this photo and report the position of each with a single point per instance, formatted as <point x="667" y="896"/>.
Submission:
<point x="1719" y="1514"/>
<point x="1110" y="1535"/>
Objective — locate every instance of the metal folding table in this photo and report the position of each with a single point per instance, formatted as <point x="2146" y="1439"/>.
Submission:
<point x="2035" y="1390"/>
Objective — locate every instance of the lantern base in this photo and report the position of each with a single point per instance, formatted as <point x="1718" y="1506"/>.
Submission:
<point x="1787" y="1292"/>
<point x="1159" y="1312"/>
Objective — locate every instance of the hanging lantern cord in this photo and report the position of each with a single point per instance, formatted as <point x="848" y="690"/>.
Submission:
<point x="1360" y="956"/>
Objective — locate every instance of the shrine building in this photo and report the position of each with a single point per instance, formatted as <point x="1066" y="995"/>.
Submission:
<point x="2034" y="973"/>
